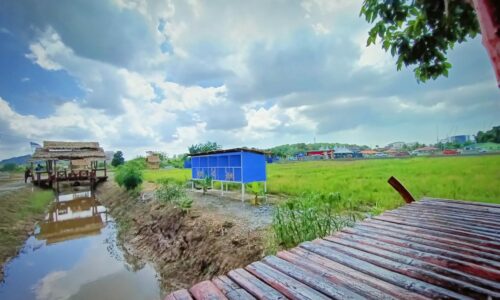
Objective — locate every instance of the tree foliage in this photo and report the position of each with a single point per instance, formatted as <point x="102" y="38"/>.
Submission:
<point x="208" y="146"/>
<point x="130" y="175"/>
<point x="8" y="167"/>
<point x="420" y="32"/>
<point x="117" y="159"/>
<point x="490" y="136"/>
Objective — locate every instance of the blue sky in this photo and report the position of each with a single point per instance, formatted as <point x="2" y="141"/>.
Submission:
<point x="141" y="75"/>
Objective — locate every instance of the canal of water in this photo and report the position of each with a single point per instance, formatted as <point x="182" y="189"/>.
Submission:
<point x="74" y="254"/>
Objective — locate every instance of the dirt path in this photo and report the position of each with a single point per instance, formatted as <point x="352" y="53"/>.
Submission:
<point x="218" y="234"/>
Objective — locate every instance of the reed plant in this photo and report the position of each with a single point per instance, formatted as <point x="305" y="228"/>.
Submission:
<point x="310" y="216"/>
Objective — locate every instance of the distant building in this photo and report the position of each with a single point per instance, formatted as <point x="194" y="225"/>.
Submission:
<point x="396" y="145"/>
<point x="424" y="151"/>
<point x="459" y="139"/>
<point x="153" y="160"/>
<point x="327" y="154"/>
<point x="484" y="147"/>
<point x="368" y="153"/>
<point x="342" y="152"/>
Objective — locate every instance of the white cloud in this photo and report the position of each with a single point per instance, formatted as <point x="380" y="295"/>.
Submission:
<point x="175" y="73"/>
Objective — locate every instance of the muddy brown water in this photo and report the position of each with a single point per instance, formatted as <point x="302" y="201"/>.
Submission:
<point x="75" y="254"/>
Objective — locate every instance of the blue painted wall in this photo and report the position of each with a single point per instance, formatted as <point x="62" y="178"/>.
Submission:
<point x="241" y="167"/>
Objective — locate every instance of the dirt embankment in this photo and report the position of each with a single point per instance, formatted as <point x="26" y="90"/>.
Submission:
<point x="21" y="207"/>
<point x="184" y="247"/>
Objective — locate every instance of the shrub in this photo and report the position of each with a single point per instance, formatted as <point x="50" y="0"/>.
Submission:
<point x="170" y="192"/>
<point x="310" y="216"/>
<point x="206" y="183"/>
<point x="9" y="167"/>
<point x="129" y="175"/>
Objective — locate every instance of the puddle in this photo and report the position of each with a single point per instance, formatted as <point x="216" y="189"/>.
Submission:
<point x="74" y="254"/>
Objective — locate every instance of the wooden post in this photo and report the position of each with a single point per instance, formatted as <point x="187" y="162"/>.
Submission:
<point x="401" y="189"/>
<point x="105" y="172"/>
<point x="242" y="192"/>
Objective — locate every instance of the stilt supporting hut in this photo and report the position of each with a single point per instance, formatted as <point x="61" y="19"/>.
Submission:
<point x="81" y="161"/>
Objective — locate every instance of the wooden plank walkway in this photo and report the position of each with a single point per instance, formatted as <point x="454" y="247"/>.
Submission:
<point x="433" y="248"/>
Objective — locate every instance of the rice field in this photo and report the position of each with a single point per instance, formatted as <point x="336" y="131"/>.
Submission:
<point x="364" y="182"/>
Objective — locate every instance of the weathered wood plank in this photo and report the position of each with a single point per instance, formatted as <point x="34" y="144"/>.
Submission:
<point x="493" y="240"/>
<point x="230" y="289"/>
<point x="474" y="208"/>
<point x="443" y="238"/>
<point x="477" y="278"/>
<point x="471" y="203"/>
<point x="335" y="288"/>
<point x="179" y="295"/>
<point x="367" y="286"/>
<point x="441" y="222"/>
<point x="445" y="215"/>
<point x="286" y="285"/>
<point x="485" y="241"/>
<point x="494" y="205"/>
<point x="396" y="278"/>
<point x="254" y="286"/>
<point x="206" y="290"/>
<point x="454" y="210"/>
<point x="358" y="280"/>
<point x="424" y="246"/>
<point x="452" y="218"/>
<point x="410" y="267"/>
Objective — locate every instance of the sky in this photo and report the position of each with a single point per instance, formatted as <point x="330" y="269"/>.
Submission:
<point x="139" y="75"/>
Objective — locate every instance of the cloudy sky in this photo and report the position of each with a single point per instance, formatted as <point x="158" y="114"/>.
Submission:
<point x="141" y="75"/>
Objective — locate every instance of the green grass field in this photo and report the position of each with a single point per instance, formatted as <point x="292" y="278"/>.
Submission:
<point x="364" y="182"/>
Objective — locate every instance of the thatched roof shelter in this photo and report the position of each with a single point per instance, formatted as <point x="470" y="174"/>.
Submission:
<point x="69" y="151"/>
<point x="153" y="158"/>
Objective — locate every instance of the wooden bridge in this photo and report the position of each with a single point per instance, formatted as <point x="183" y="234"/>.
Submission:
<point x="432" y="248"/>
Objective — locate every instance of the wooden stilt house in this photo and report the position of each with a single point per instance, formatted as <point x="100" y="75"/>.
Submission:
<point x="82" y="158"/>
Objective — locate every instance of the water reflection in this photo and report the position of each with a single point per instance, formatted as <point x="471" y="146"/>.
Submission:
<point x="73" y="216"/>
<point x="74" y="254"/>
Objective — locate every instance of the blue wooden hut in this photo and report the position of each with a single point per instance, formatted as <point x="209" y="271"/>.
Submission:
<point x="239" y="165"/>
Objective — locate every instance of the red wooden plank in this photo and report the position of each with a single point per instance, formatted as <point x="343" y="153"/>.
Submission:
<point x="473" y="203"/>
<point x="335" y="288"/>
<point x="452" y="217"/>
<point x="367" y="286"/>
<point x="179" y="295"/>
<point x="230" y="289"/>
<point x="485" y="241"/>
<point x="442" y="222"/>
<point x="431" y="225"/>
<point x="396" y="278"/>
<point x="206" y="290"/>
<point x="286" y="285"/>
<point x="254" y="286"/>
<point x="463" y="216"/>
<point x="453" y="210"/>
<point x="473" y="274"/>
<point x="443" y="238"/>
<point x="419" y="244"/>
<point x="475" y="208"/>
<point x="409" y="267"/>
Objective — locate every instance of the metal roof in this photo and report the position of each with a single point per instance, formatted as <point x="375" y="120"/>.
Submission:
<point x="433" y="248"/>
<point x="243" y="149"/>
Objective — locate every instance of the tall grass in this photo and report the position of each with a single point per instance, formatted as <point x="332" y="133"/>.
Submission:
<point x="310" y="216"/>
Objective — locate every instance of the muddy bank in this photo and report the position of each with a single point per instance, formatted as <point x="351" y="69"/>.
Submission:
<point x="184" y="247"/>
<point x="21" y="207"/>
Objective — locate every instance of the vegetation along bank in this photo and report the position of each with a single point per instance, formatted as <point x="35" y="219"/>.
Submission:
<point x="20" y="209"/>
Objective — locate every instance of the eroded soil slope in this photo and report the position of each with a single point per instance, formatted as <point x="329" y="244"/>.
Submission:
<point x="184" y="247"/>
